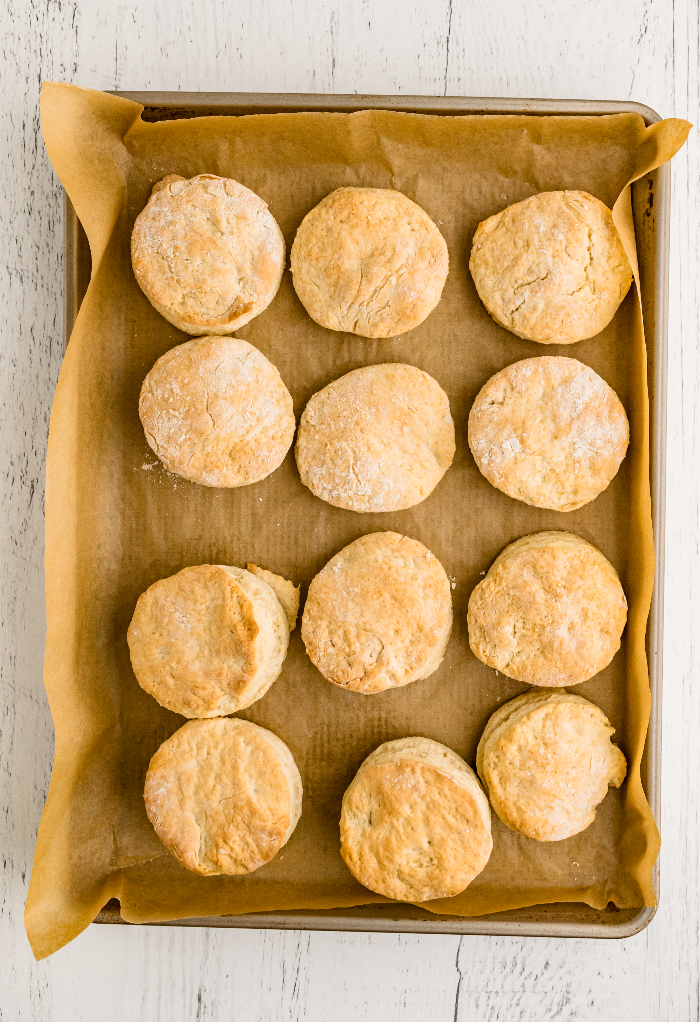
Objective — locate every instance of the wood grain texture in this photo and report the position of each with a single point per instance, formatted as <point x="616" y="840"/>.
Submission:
<point x="647" y="50"/>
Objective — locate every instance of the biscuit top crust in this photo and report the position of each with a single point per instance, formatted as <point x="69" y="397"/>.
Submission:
<point x="551" y="268"/>
<point x="223" y="795"/>
<point x="415" y="823"/>
<point x="368" y="261"/>
<point x="207" y="252"/>
<point x="549" y="612"/>
<point x="547" y="761"/>
<point x="379" y="614"/>
<point x="215" y="411"/>
<point x="379" y="438"/>
<point x="548" y="431"/>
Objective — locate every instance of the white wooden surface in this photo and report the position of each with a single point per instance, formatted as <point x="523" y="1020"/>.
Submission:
<point x="646" y="50"/>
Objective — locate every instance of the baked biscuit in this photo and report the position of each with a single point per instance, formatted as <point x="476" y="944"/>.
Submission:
<point x="546" y="761"/>
<point x="208" y="641"/>
<point x="551" y="268"/>
<point x="223" y="795"/>
<point x="379" y="614"/>
<point x="216" y="412"/>
<point x="415" y="823"/>
<point x="368" y="261"/>
<point x="548" y="431"/>
<point x="378" y="439"/>
<point x="207" y="253"/>
<point x="549" y="612"/>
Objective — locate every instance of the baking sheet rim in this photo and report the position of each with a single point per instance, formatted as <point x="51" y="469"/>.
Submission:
<point x="657" y="347"/>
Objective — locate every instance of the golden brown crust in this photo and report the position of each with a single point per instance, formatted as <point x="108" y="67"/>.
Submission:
<point x="379" y="614"/>
<point x="415" y="824"/>
<point x="549" y="612"/>
<point x="223" y="795"/>
<point x="207" y="253"/>
<point x="548" y="431"/>
<point x="547" y="761"/>
<point x="378" y="439"/>
<point x="215" y="411"/>
<point x="208" y="641"/>
<point x="368" y="261"/>
<point x="551" y="268"/>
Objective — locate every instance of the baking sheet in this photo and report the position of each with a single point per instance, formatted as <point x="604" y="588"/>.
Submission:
<point x="116" y="521"/>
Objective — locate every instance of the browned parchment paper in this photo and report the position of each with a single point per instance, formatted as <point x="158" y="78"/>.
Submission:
<point x="116" y="521"/>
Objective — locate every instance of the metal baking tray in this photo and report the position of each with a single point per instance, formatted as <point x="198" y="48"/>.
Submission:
<point x="651" y="198"/>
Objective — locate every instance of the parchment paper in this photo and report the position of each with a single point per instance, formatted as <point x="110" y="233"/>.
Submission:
<point x="116" y="521"/>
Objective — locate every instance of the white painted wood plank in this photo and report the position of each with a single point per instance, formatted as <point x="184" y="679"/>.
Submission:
<point x="647" y="51"/>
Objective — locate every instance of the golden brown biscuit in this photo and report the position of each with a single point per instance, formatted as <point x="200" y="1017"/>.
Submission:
<point x="548" y="431"/>
<point x="547" y="761"/>
<point x="415" y="823"/>
<point x="207" y="253"/>
<point x="223" y="795"/>
<point x="208" y="641"/>
<point x="550" y="611"/>
<point x="215" y="411"/>
<point x="551" y="268"/>
<point x="379" y="614"/>
<point x="368" y="261"/>
<point x="378" y="439"/>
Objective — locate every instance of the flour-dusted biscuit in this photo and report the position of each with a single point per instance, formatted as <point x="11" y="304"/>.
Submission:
<point x="379" y="614"/>
<point x="207" y="253"/>
<point x="415" y="823"/>
<point x="208" y="641"/>
<point x="551" y="268"/>
<point x="549" y="612"/>
<point x="378" y="439"/>
<point x="223" y="795"/>
<point x="216" y="412"/>
<point x="368" y="261"/>
<point x="546" y="761"/>
<point x="548" y="431"/>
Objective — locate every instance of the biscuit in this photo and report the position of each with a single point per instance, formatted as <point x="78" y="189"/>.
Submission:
<point x="208" y="641"/>
<point x="546" y="761"/>
<point x="415" y="823"/>
<point x="216" y="412"/>
<point x="368" y="261"/>
<point x="223" y="795"/>
<point x="549" y="612"/>
<point x="548" y="431"/>
<point x="379" y="614"/>
<point x="207" y="253"/>
<point x="378" y="439"/>
<point x="551" y="268"/>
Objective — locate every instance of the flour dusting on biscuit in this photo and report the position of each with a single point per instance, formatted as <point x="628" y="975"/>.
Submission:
<point x="548" y="431"/>
<point x="378" y="439"/>
<point x="551" y="268"/>
<point x="207" y="253"/>
<point x="368" y="261"/>
<point x="216" y="412"/>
